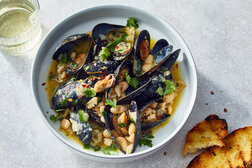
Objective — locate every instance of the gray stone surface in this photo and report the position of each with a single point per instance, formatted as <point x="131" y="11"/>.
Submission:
<point x="219" y="34"/>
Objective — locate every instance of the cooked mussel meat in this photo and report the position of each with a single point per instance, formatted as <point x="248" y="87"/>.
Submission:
<point x="116" y="40"/>
<point x="147" y="60"/>
<point x="124" y="125"/>
<point x="72" y="54"/>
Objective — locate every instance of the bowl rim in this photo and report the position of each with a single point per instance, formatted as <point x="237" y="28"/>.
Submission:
<point x="119" y="157"/>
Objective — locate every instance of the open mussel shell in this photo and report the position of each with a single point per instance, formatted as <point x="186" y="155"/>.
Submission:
<point x="160" y="52"/>
<point x="95" y="118"/>
<point x="77" y="50"/>
<point x="100" y="68"/>
<point x="151" y="124"/>
<point x="101" y="32"/>
<point x="68" y="94"/>
<point x="125" y="137"/>
<point x="104" y="33"/>
<point x="158" y="78"/>
<point x="82" y="129"/>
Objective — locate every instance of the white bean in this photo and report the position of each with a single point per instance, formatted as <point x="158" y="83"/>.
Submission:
<point x="92" y="102"/>
<point x="106" y="133"/>
<point x="129" y="149"/>
<point x="118" y="109"/>
<point x="122" y="142"/>
<point x="65" y="123"/>
<point x="132" y="128"/>
<point x="107" y="141"/>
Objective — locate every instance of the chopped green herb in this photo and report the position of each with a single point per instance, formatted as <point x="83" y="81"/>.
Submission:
<point x="110" y="102"/>
<point x="118" y="51"/>
<point x="127" y="77"/>
<point x="63" y="59"/>
<point x="63" y="102"/>
<point x="97" y="148"/>
<point x="111" y="150"/>
<point x="87" y="146"/>
<point x="169" y="87"/>
<point x="133" y="121"/>
<point x="149" y="136"/>
<point x="122" y="125"/>
<point x="52" y="76"/>
<point x="87" y="68"/>
<point x="83" y="116"/>
<point x="104" y="114"/>
<point x="132" y="22"/>
<point x="55" y="118"/>
<point x="145" y="142"/>
<point x="160" y="91"/>
<point x="74" y="65"/>
<point x="134" y="82"/>
<point x="105" y="52"/>
<point x="73" y="78"/>
<point x="89" y="93"/>
<point x="60" y="110"/>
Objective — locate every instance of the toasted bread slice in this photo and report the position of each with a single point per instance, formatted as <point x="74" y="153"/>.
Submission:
<point x="236" y="153"/>
<point x="210" y="132"/>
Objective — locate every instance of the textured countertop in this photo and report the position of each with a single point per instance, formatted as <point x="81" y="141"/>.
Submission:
<point x="219" y="34"/>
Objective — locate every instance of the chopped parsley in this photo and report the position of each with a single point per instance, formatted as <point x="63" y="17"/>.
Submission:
<point x="110" y="102"/>
<point x="60" y="110"/>
<point x="133" y="121"/>
<point x="134" y="82"/>
<point x="132" y="22"/>
<point x="52" y="76"/>
<point x="74" y="65"/>
<point x="89" y="93"/>
<point x="146" y="141"/>
<point x="63" y="59"/>
<point x="169" y="88"/>
<point x="104" y="114"/>
<point x="83" y="116"/>
<point x="121" y="125"/>
<point x="55" y="118"/>
<point x="63" y="102"/>
<point x="111" y="150"/>
<point x="105" y="52"/>
<point x="95" y="148"/>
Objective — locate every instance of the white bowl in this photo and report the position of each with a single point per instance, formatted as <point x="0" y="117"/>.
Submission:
<point x="84" y="21"/>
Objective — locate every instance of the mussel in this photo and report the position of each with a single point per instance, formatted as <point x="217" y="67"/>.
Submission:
<point x="123" y="91"/>
<point x="71" y="93"/>
<point x="158" y="80"/>
<point x="73" y="52"/>
<point x="153" y="113"/>
<point x="123" y="123"/>
<point x="82" y="128"/>
<point x="147" y="60"/>
<point x="118" y="39"/>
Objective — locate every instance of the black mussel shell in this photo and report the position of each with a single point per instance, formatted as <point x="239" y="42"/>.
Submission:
<point x="158" y="78"/>
<point x="95" y="118"/>
<point x="100" y="68"/>
<point x="80" y="43"/>
<point x="104" y="33"/>
<point x="65" y="95"/>
<point x="85" y="134"/>
<point x="148" y="125"/>
<point x="160" y="51"/>
<point x="101" y="31"/>
<point x="133" y="111"/>
<point x="158" y="46"/>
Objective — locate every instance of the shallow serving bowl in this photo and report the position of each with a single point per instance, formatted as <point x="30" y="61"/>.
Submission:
<point x="84" y="21"/>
